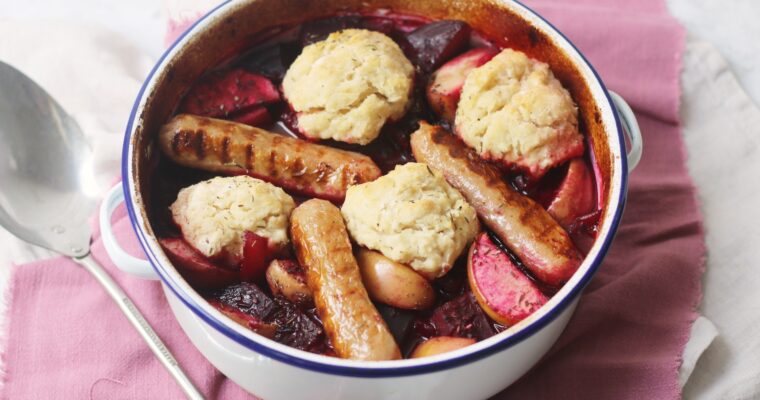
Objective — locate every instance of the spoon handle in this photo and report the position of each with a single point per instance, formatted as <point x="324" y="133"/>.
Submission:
<point x="141" y="325"/>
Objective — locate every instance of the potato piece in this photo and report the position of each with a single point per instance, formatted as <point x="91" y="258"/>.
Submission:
<point x="287" y="278"/>
<point x="392" y="283"/>
<point x="439" y="345"/>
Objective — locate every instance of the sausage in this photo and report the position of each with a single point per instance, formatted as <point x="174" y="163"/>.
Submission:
<point x="351" y="321"/>
<point x="233" y="149"/>
<point x="522" y="225"/>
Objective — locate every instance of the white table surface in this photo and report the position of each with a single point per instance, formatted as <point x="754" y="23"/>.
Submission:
<point x="732" y="27"/>
<point x="733" y="30"/>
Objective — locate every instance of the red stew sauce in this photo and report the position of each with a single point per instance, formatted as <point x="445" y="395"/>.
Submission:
<point x="427" y="45"/>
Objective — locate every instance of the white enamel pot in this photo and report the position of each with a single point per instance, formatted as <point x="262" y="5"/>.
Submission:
<point x="275" y="371"/>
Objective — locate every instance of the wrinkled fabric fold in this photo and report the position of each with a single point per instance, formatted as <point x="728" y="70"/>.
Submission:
<point x="627" y="336"/>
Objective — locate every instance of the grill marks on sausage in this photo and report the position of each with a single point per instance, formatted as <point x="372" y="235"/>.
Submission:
<point x="224" y="155"/>
<point x="229" y="148"/>
<point x="175" y="143"/>
<point x="185" y="141"/>
<point x="528" y="213"/>
<point x="473" y="161"/>
<point x="272" y="166"/>
<point x="322" y="172"/>
<point x="199" y="144"/>
<point x="352" y="178"/>
<point x="521" y="224"/>
<point x="250" y="157"/>
<point x="298" y="167"/>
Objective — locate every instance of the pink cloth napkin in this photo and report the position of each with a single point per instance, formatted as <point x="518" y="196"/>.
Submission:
<point x="627" y="336"/>
<point x="66" y="339"/>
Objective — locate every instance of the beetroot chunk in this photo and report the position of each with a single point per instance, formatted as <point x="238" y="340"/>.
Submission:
<point x="276" y="318"/>
<point x="272" y="60"/>
<point x="296" y="328"/>
<point x="318" y="30"/>
<point x="437" y="42"/>
<point x="247" y="298"/>
<point x="462" y="317"/>
<point x="219" y="95"/>
<point x="249" y="321"/>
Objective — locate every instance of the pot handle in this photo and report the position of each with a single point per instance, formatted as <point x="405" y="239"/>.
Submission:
<point x="124" y="261"/>
<point x="631" y="129"/>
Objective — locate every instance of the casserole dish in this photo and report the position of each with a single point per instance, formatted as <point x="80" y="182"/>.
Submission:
<point x="272" y="370"/>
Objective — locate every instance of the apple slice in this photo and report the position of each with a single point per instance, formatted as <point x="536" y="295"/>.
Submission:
<point x="575" y="196"/>
<point x="257" y="116"/>
<point x="286" y="278"/>
<point x="394" y="284"/>
<point x="439" y="345"/>
<point x="256" y="256"/>
<point x="446" y="83"/>
<point x="221" y="94"/>
<point x="196" y="268"/>
<point x="501" y="289"/>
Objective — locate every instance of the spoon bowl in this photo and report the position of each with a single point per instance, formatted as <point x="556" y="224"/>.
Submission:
<point x="47" y="191"/>
<point x="45" y="168"/>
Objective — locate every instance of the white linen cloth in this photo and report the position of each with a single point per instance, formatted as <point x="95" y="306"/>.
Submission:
<point x="95" y="74"/>
<point x="722" y="135"/>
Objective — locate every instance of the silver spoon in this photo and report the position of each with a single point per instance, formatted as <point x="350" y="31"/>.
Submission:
<point x="46" y="191"/>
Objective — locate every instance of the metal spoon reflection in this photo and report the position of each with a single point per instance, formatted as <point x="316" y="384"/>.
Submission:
<point x="46" y="191"/>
